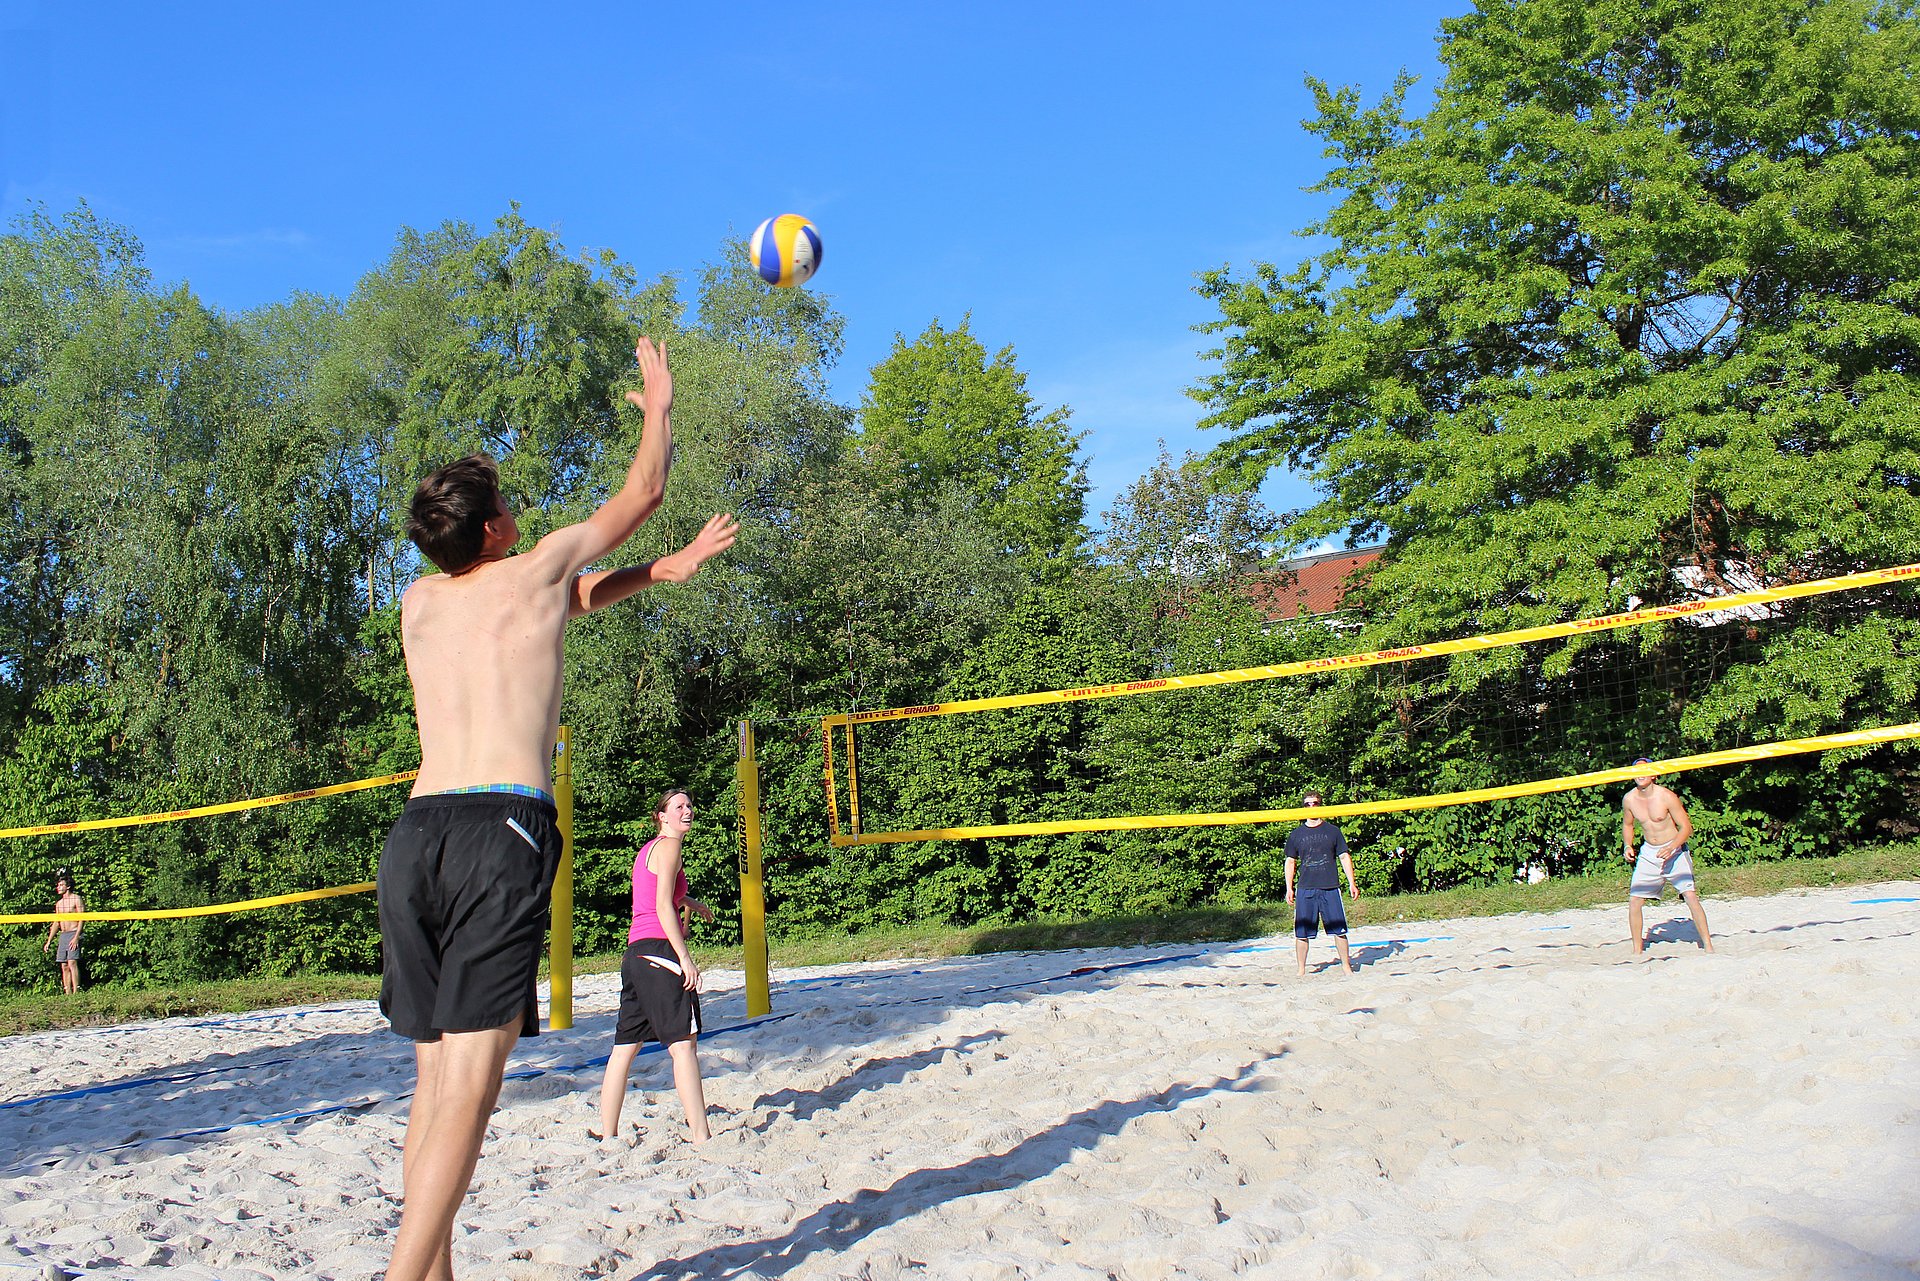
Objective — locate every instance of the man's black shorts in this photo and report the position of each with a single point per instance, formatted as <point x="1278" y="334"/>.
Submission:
<point x="464" y="886"/>
<point x="1311" y="906"/>
<point x="655" y="1004"/>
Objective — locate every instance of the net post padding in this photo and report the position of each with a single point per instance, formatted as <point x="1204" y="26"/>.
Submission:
<point x="753" y="903"/>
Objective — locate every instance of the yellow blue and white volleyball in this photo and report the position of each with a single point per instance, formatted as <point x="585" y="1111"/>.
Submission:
<point x="785" y="250"/>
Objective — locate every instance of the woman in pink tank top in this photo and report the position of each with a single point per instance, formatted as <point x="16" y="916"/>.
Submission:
<point x="659" y="982"/>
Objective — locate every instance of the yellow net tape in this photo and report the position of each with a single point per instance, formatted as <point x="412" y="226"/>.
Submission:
<point x="165" y="913"/>
<point x="1405" y="653"/>
<point x="1571" y="782"/>
<point x="201" y="811"/>
<point x="229" y="807"/>
<point x="1402" y="654"/>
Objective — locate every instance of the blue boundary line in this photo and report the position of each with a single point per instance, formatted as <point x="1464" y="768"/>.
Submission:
<point x="174" y="1025"/>
<point x="1351" y="942"/>
<point x="39" y="1270"/>
<point x="355" y="1105"/>
<point x="527" y="1074"/>
<point x="117" y="1086"/>
<point x="530" y="1073"/>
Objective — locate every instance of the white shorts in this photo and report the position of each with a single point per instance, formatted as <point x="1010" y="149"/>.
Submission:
<point x="1652" y="875"/>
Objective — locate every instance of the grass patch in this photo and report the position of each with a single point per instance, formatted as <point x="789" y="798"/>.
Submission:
<point x="38" y="1011"/>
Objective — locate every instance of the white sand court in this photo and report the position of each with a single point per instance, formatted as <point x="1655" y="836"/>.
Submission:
<point x="1508" y="1097"/>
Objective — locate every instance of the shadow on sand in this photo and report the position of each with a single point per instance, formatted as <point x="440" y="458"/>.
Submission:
<point x="800" y="1105"/>
<point x="841" y="1224"/>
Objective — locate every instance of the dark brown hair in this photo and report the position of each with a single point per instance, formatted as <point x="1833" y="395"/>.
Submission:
<point x="451" y="508"/>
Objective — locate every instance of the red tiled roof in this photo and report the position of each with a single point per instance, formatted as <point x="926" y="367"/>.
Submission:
<point x="1312" y="585"/>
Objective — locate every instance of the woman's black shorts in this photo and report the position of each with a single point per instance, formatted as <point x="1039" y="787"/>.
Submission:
<point x="655" y="1004"/>
<point x="464" y="885"/>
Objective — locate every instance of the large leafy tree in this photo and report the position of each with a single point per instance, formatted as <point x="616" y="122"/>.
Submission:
<point x="183" y="586"/>
<point x="656" y="685"/>
<point x="66" y="289"/>
<point x="1632" y="308"/>
<point x="951" y="415"/>
<point x="463" y="342"/>
<point x="1642" y="286"/>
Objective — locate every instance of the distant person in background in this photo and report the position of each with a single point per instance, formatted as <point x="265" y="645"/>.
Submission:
<point x="1319" y="850"/>
<point x="659" y="982"/>
<point x="68" y="953"/>
<point x="1663" y="859"/>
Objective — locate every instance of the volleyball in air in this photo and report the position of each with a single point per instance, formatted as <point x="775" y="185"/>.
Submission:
<point x="785" y="250"/>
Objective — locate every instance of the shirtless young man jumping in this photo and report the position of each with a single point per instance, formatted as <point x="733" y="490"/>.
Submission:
<point x="1663" y="858"/>
<point x="466" y="872"/>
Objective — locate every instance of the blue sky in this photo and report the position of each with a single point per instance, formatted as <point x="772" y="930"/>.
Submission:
<point x="1060" y="172"/>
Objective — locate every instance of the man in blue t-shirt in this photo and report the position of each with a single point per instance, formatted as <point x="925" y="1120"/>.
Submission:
<point x="1313" y="847"/>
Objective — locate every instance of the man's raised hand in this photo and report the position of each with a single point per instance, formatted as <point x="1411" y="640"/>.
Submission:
<point x="656" y="380"/>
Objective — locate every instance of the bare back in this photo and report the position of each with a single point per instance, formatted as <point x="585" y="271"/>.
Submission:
<point x="484" y="654"/>
<point x="1656" y="810"/>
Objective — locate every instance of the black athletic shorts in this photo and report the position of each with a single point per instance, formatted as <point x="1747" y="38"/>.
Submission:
<point x="655" y="1004"/>
<point x="464" y="890"/>
<point x="1311" y="906"/>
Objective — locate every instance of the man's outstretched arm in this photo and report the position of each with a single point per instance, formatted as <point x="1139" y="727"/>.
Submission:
<point x="611" y="586"/>
<point x="571" y="548"/>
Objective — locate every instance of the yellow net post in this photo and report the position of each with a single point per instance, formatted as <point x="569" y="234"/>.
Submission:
<point x="753" y="902"/>
<point x="560" y="949"/>
<point x="853" y="785"/>
<point x="833" y="796"/>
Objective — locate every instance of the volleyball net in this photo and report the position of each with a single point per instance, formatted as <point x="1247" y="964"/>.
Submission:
<point x="1572" y="719"/>
<point x="1508" y="716"/>
<point x="560" y="953"/>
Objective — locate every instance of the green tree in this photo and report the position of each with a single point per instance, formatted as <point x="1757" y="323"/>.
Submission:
<point x="1176" y="532"/>
<point x="186" y="587"/>
<point x="948" y="415"/>
<point x="1632" y="309"/>
<point x="464" y="343"/>
<point x="656" y="686"/>
<point x="1642" y="286"/>
<point x="65" y="287"/>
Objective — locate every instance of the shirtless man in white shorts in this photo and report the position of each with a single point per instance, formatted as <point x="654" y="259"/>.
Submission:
<point x="67" y="934"/>
<point x="1663" y="859"/>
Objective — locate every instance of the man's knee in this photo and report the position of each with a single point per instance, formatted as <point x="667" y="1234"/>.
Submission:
<point x="466" y="1060"/>
<point x="489" y="1045"/>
